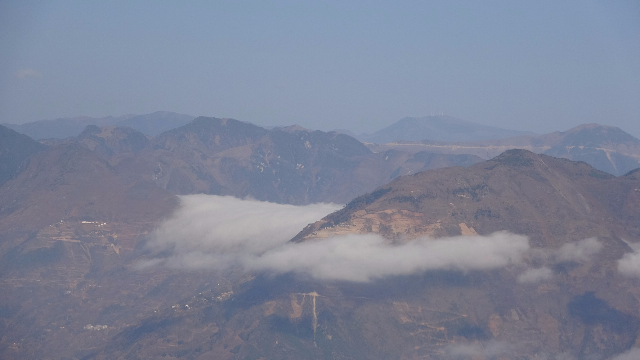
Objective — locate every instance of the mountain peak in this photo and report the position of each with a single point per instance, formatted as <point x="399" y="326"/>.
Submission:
<point x="596" y="134"/>
<point x="589" y="126"/>
<point x="516" y="158"/>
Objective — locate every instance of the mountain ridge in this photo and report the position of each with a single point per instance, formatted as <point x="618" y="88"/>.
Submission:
<point x="62" y="128"/>
<point x="608" y="148"/>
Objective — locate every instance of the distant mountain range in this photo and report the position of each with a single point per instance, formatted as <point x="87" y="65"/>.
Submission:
<point x="299" y="166"/>
<point x="607" y="148"/>
<point x="149" y="124"/>
<point x="438" y="128"/>
<point x="87" y="176"/>
<point x="230" y="157"/>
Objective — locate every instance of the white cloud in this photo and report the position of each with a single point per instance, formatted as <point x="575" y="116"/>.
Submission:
<point x="213" y="231"/>
<point x="629" y="264"/>
<point x="224" y="223"/>
<point x="220" y="232"/>
<point x="632" y="354"/>
<point x="580" y="251"/>
<point x="535" y="275"/>
<point x="370" y="256"/>
<point x="25" y="73"/>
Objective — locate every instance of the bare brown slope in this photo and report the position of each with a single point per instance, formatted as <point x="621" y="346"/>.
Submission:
<point x="71" y="183"/>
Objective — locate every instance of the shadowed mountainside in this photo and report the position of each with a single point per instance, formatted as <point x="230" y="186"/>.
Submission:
<point x="15" y="148"/>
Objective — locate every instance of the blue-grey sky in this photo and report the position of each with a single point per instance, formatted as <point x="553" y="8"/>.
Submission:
<point x="360" y="65"/>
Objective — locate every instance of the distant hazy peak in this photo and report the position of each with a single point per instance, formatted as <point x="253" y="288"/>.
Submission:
<point x="214" y="123"/>
<point x="62" y="128"/>
<point x="589" y="126"/>
<point x="594" y="134"/>
<point x="438" y="128"/>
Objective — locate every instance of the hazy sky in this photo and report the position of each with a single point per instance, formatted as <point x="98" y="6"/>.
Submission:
<point x="361" y="65"/>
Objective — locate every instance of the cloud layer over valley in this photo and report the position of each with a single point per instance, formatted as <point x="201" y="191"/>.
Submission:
<point x="215" y="232"/>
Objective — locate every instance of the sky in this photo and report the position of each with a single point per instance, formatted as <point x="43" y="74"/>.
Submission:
<point x="360" y="65"/>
